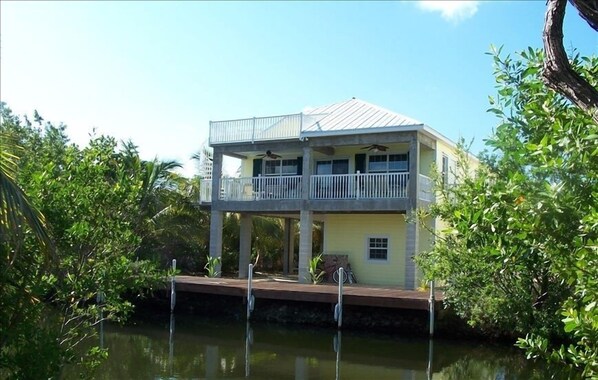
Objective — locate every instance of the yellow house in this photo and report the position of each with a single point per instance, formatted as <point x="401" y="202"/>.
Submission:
<point x="357" y="168"/>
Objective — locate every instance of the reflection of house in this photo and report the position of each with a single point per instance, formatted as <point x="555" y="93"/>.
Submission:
<point x="356" y="167"/>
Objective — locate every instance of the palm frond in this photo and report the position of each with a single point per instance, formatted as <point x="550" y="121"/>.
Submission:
<point x="16" y="211"/>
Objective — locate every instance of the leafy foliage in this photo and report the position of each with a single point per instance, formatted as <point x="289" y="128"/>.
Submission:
<point x="91" y="200"/>
<point x="315" y="273"/>
<point x="212" y="265"/>
<point x="519" y="254"/>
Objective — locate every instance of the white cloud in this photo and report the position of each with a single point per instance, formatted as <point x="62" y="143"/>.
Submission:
<point x="453" y="11"/>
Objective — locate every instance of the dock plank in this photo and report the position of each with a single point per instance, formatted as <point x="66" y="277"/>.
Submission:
<point x="360" y="295"/>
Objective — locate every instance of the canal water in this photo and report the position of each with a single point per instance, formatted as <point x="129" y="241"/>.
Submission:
<point x="189" y="347"/>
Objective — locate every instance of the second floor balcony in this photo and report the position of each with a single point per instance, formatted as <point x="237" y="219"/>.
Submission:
<point x="321" y="187"/>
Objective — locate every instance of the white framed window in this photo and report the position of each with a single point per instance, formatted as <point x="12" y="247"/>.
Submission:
<point x="377" y="248"/>
<point x="280" y="167"/>
<point x="445" y="170"/>
<point x="388" y="163"/>
<point x="338" y="166"/>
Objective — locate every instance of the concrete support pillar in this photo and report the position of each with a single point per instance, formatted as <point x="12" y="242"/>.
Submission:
<point x="216" y="218"/>
<point x="216" y="178"/>
<point x="287" y="243"/>
<point x="292" y="263"/>
<point x="413" y="172"/>
<point x="244" y="245"/>
<point x="306" y="221"/>
<point x="412" y="241"/>
<point x="305" y="245"/>
<point x="306" y="173"/>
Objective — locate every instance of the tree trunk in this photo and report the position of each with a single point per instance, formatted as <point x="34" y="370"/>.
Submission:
<point x="558" y="73"/>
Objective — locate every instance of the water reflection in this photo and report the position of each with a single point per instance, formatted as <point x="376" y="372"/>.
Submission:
<point x="430" y="358"/>
<point x="171" y="345"/>
<point x="248" y="342"/>
<point x="218" y="349"/>
<point x="336" y="342"/>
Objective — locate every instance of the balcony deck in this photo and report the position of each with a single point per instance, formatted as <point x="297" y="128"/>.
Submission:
<point x="321" y="187"/>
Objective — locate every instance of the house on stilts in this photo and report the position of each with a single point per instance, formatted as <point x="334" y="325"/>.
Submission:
<point x="358" y="169"/>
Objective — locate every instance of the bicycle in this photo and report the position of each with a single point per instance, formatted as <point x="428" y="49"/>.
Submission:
<point x="348" y="275"/>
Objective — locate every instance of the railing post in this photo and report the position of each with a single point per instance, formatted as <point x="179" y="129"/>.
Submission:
<point x="172" y="287"/>
<point x="432" y="301"/>
<point x="338" y="308"/>
<point x="357" y="185"/>
<point x="250" y="297"/>
<point x="253" y="131"/>
<point x="260" y="186"/>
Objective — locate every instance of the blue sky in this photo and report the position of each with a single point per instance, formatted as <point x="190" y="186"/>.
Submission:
<point x="157" y="72"/>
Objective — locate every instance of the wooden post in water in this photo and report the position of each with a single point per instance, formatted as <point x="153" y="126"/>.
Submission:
<point x="250" y="297"/>
<point x="172" y="287"/>
<point x="432" y="301"/>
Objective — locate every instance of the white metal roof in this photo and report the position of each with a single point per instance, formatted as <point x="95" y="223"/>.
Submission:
<point x="353" y="115"/>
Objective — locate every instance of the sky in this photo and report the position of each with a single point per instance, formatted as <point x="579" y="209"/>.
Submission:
<point x="157" y="72"/>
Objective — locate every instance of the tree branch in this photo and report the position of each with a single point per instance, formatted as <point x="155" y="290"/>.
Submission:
<point x="588" y="10"/>
<point x="558" y="73"/>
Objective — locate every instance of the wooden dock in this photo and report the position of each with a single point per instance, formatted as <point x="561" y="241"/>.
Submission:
<point x="282" y="289"/>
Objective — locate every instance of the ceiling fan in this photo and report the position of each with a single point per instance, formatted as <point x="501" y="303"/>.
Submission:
<point x="269" y="154"/>
<point x="375" y="148"/>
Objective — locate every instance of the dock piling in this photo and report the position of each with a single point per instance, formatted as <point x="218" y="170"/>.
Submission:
<point x="338" y="308"/>
<point x="250" y="296"/>
<point x="172" y="287"/>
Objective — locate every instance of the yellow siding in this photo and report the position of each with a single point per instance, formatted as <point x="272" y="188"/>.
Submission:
<point x="451" y="153"/>
<point x="427" y="158"/>
<point x="426" y="242"/>
<point x="443" y="148"/>
<point x="346" y="234"/>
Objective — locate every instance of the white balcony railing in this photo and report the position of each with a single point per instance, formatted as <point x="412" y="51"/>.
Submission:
<point x="261" y="128"/>
<point x="426" y="188"/>
<point x="256" y="129"/>
<point x="264" y="187"/>
<point x="359" y="186"/>
<point x="337" y="186"/>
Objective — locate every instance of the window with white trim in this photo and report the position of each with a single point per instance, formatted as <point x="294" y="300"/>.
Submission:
<point x="445" y="170"/>
<point x="340" y="166"/>
<point x="280" y="167"/>
<point x="388" y="163"/>
<point x="377" y="248"/>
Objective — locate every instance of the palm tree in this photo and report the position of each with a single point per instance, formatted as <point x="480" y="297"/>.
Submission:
<point x="16" y="210"/>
